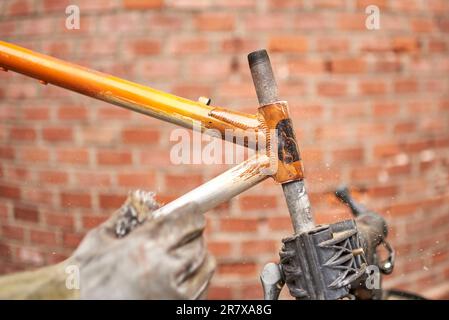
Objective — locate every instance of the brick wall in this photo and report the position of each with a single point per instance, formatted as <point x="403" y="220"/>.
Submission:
<point x="371" y="108"/>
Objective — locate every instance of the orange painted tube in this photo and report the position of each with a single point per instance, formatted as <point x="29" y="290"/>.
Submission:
<point x="117" y="91"/>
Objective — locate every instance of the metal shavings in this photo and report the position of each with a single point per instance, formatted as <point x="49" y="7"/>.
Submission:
<point x="135" y="211"/>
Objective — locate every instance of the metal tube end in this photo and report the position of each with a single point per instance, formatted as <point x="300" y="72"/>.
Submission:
<point x="263" y="78"/>
<point x="256" y="57"/>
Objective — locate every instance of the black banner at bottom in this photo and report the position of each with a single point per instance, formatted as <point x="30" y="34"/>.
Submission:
<point x="216" y="309"/>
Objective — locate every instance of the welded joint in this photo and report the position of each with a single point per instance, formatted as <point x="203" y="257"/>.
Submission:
<point x="280" y="145"/>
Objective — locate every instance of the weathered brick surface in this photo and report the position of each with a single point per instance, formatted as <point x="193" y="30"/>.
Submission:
<point x="371" y="109"/>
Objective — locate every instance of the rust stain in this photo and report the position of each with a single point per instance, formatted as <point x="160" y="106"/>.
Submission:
<point x="275" y="116"/>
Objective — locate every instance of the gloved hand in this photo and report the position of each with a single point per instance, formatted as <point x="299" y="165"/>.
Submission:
<point x="156" y="258"/>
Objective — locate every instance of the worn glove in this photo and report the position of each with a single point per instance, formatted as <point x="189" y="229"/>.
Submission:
<point x="134" y="255"/>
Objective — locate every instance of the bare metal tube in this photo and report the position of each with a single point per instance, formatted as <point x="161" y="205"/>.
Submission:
<point x="267" y="92"/>
<point x="221" y="188"/>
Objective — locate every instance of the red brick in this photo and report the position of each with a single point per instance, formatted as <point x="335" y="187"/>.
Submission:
<point x="280" y="223"/>
<point x="372" y="87"/>
<point x="72" y="113"/>
<point x="12" y="232"/>
<point x="58" y="48"/>
<point x="7" y="152"/>
<point x="146" y="47"/>
<point x="4" y="211"/>
<point x="72" y="240"/>
<point x="111" y="112"/>
<point x="348" y="65"/>
<point x="386" y="150"/>
<point x="437" y="46"/>
<point x="143" y="136"/>
<point x="26" y="213"/>
<point x="9" y="191"/>
<point x="246" y="269"/>
<point x="368" y="130"/>
<point x="192" y="91"/>
<point x="197" y="45"/>
<point x="239" y="45"/>
<point x="137" y="180"/>
<point x="55" y="134"/>
<point x="362" y="4"/>
<point x="7" y="28"/>
<point x="93" y="179"/>
<point x="405" y="44"/>
<point x="402" y="209"/>
<point x="351" y="154"/>
<point x="109" y="157"/>
<point x="365" y="173"/>
<point x="251" y="291"/>
<point x="35" y="154"/>
<point x="385" y="109"/>
<point x="206" y="68"/>
<point x="385" y="65"/>
<point x="167" y="22"/>
<point x="399" y="169"/>
<point x="383" y="191"/>
<point x="92" y="221"/>
<point x="418" y="146"/>
<point x="214" y="22"/>
<point x="351" y="21"/>
<point x="241" y="4"/>
<point x="76" y="200"/>
<point x="14" y="173"/>
<point x="258" y="202"/>
<point x="160" y="69"/>
<point x="287" y="44"/>
<point x="260" y="246"/>
<point x="219" y="248"/>
<point x="100" y="135"/>
<point x="219" y="292"/>
<point x="43" y="237"/>
<point x="332" y="44"/>
<point x="331" y="89"/>
<point x="73" y="156"/>
<point x="19" y="8"/>
<point x="239" y="224"/>
<point x="56" y="257"/>
<point x="111" y="201"/>
<point x="36" y="113"/>
<point x="23" y="134"/>
<point x="309" y="21"/>
<point x="182" y="182"/>
<point x="422" y="25"/>
<point x="37" y="195"/>
<point x="406" y="86"/>
<point x="143" y="4"/>
<point x="306" y="66"/>
<point x="55" y="5"/>
<point x="5" y="251"/>
<point x="53" y="177"/>
<point x="60" y="220"/>
<point x="331" y="132"/>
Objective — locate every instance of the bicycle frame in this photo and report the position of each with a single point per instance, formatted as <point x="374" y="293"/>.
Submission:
<point x="157" y="104"/>
<point x="317" y="262"/>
